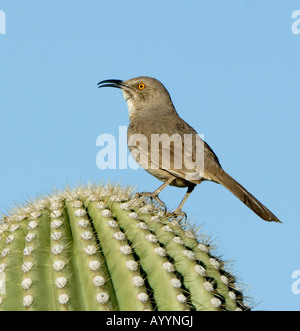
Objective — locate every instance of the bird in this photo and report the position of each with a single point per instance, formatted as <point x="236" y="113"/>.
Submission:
<point x="168" y="148"/>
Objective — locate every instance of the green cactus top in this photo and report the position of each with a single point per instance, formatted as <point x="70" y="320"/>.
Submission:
<point x="100" y="248"/>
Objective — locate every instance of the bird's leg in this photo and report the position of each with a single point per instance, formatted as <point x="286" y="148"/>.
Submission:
<point x="154" y="195"/>
<point x="178" y="211"/>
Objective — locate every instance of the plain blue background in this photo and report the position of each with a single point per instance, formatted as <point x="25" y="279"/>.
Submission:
<point x="232" y="69"/>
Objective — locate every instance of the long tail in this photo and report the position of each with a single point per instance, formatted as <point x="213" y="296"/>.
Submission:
<point x="247" y="198"/>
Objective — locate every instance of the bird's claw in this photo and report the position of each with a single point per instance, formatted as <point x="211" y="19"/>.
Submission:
<point x="178" y="214"/>
<point x="152" y="196"/>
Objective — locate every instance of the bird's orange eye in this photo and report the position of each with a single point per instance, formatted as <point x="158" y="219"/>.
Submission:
<point x="141" y="86"/>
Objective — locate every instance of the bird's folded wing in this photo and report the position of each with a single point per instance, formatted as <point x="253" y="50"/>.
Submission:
<point x="181" y="155"/>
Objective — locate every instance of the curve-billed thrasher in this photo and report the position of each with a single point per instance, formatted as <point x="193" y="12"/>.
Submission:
<point x="178" y="161"/>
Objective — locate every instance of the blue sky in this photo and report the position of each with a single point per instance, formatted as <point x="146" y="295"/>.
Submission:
<point x="232" y="69"/>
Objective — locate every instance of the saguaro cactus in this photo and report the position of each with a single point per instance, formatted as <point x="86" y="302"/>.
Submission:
<point x="99" y="248"/>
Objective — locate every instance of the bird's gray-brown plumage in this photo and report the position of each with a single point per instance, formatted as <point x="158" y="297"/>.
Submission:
<point x="153" y="115"/>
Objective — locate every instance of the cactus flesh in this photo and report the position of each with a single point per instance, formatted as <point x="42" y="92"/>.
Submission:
<point x="100" y="248"/>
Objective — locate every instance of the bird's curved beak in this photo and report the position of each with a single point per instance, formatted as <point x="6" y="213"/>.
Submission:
<point x="114" y="83"/>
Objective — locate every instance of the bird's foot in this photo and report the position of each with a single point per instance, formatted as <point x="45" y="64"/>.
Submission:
<point x="152" y="196"/>
<point x="178" y="213"/>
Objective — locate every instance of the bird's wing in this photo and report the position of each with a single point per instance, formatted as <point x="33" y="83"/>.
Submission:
<point x="181" y="153"/>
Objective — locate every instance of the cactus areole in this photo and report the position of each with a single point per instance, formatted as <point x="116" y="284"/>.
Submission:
<point x="100" y="248"/>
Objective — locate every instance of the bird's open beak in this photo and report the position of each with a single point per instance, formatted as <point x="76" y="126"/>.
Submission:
<point x="113" y="83"/>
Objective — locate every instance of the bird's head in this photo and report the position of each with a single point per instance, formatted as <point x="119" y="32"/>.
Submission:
<point x="140" y="93"/>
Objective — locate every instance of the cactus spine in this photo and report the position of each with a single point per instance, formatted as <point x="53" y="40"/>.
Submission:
<point x="99" y="248"/>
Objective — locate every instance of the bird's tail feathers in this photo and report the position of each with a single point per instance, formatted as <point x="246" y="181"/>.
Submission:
<point x="246" y="197"/>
